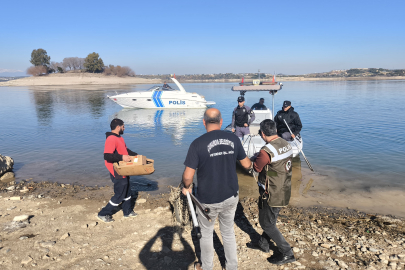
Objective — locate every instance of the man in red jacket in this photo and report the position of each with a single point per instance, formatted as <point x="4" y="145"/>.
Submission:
<point x="116" y="150"/>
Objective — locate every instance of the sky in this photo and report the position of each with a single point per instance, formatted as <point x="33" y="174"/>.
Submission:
<point x="194" y="37"/>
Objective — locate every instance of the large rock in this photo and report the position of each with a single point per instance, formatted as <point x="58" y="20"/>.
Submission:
<point x="7" y="177"/>
<point x="6" y="164"/>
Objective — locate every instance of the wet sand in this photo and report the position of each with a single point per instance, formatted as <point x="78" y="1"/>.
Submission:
<point x="328" y="190"/>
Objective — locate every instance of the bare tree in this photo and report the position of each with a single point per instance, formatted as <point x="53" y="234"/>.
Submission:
<point x="55" y="65"/>
<point x="67" y="63"/>
<point x="73" y="63"/>
<point x="119" y="71"/>
<point x="37" y="70"/>
<point x="80" y="63"/>
<point x="73" y="60"/>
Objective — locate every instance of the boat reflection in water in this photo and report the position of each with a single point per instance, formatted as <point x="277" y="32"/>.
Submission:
<point x="164" y="136"/>
<point x="177" y="123"/>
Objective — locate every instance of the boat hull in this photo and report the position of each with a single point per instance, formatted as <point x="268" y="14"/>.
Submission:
<point x="160" y="99"/>
<point x="253" y="142"/>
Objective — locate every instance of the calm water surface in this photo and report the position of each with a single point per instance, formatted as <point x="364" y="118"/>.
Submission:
<point x="351" y="129"/>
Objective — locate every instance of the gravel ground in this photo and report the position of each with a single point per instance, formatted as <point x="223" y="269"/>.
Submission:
<point x="54" y="226"/>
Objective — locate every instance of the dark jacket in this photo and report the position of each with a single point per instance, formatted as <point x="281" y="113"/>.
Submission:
<point x="240" y="116"/>
<point x="258" y="106"/>
<point x="292" y="118"/>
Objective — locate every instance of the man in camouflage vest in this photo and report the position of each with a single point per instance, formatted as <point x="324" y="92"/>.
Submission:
<point x="274" y="166"/>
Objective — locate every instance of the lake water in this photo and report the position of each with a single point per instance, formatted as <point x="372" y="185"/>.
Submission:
<point x="352" y="130"/>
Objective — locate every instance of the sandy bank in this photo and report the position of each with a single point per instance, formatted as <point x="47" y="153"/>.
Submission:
<point x="67" y="79"/>
<point x="62" y="232"/>
<point x="77" y="79"/>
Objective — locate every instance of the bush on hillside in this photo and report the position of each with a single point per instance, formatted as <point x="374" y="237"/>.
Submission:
<point x="118" y="71"/>
<point x="37" y="70"/>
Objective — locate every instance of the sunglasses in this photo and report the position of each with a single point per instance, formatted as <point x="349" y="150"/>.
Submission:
<point x="259" y="131"/>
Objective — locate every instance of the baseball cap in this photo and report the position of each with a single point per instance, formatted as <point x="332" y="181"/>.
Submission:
<point x="286" y="103"/>
<point x="240" y="99"/>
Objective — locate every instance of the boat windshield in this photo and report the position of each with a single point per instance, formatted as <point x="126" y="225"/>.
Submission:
<point x="154" y="88"/>
<point x="160" y="88"/>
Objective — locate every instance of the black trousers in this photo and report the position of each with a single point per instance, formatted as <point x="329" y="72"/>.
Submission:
<point x="122" y="194"/>
<point x="267" y="220"/>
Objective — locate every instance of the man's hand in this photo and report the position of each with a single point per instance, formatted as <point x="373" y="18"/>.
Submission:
<point x="233" y="130"/>
<point x="188" y="176"/>
<point x="126" y="158"/>
<point x="245" y="124"/>
<point x="184" y="191"/>
<point x="293" y="136"/>
<point x="246" y="163"/>
<point x="253" y="158"/>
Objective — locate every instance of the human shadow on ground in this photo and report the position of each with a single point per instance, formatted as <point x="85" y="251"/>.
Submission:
<point x="244" y="224"/>
<point x="218" y="247"/>
<point x="167" y="250"/>
<point x="141" y="183"/>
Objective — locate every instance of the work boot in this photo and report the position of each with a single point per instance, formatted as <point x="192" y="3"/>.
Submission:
<point x="258" y="246"/>
<point x="106" y="218"/>
<point x="132" y="214"/>
<point x="282" y="259"/>
<point x="197" y="266"/>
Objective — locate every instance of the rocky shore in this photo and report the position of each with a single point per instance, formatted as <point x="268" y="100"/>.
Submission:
<point x="54" y="226"/>
<point x="6" y="167"/>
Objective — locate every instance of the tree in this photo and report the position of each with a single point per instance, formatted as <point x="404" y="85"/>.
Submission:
<point x="80" y="63"/>
<point x="37" y="70"/>
<point x="56" y="66"/>
<point x="93" y="63"/>
<point x="118" y="71"/>
<point x="67" y="63"/>
<point x="40" y="58"/>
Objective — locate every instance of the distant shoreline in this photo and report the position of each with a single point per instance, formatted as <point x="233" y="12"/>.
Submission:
<point x="67" y="79"/>
<point x="285" y="79"/>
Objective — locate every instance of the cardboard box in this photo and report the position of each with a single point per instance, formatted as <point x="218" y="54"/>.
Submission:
<point x="138" y="160"/>
<point x="140" y="165"/>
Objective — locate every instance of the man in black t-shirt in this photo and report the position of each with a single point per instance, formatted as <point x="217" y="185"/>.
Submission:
<point x="214" y="156"/>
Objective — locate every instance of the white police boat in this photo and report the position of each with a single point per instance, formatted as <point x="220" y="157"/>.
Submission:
<point x="253" y="142"/>
<point x="159" y="97"/>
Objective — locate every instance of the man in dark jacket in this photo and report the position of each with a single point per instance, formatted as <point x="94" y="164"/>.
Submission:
<point x="260" y="105"/>
<point x="293" y="120"/>
<point x="166" y="86"/>
<point x="241" y="120"/>
<point x="116" y="150"/>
